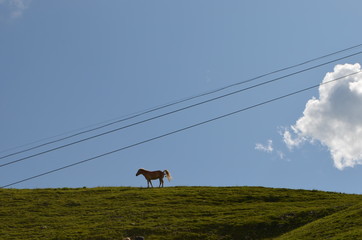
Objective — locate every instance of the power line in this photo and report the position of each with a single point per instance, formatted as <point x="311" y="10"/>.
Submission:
<point x="180" y="130"/>
<point x="132" y="116"/>
<point x="175" y="111"/>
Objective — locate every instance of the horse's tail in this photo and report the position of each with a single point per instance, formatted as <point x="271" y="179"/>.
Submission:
<point x="168" y="175"/>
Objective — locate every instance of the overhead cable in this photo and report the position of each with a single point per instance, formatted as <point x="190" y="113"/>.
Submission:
<point x="181" y="130"/>
<point x="141" y="113"/>
<point x="175" y="111"/>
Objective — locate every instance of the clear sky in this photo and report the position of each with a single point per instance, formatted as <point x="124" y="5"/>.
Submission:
<point x="69" y="65"/>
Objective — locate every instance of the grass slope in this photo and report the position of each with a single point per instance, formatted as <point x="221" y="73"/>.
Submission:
<point x="178" y="213"/>
<point x="345" y="224"/>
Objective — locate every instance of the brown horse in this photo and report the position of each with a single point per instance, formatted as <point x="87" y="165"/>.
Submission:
<point x="152" y="175"/>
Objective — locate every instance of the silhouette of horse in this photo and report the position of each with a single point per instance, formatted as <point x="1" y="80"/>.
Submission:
<point x="152" y="175"/>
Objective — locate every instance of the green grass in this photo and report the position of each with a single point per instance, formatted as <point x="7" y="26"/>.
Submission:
<point x="179" y="213"/>
<point x="345" y="224"/>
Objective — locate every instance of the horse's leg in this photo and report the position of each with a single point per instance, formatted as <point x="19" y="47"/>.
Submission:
<point x="161" y="182"/>
<point x="150" y="182"/>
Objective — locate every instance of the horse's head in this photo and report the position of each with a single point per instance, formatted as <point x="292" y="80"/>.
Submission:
<point x="139" y="171"/>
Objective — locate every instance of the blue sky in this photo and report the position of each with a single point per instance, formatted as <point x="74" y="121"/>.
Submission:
<point x="68" y="65"/>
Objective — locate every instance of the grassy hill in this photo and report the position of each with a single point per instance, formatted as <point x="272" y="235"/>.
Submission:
<point x="179" y="213"/>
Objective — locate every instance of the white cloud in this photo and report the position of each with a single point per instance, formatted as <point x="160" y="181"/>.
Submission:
<point x="334" y="119"/>
<point x="290" y="141"/>
<point x="14" y="8"/>
<point x="265" y="148"/>
<point x="268" y="148"/>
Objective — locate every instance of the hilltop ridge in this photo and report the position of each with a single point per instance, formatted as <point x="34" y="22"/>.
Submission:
<point x="178" y="213"/>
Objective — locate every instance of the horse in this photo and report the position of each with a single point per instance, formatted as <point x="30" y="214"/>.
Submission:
<point x="152" y="175"/>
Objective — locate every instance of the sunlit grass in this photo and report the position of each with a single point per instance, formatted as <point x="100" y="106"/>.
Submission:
<point x="175" y="213"/>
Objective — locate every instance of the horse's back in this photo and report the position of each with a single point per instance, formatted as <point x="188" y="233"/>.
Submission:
<point x="153" y="174"/>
